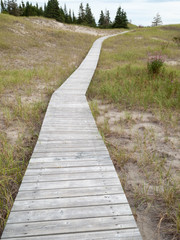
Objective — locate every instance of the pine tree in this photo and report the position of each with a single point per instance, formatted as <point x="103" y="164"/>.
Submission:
<point x="101" y="21"/>
<point x="81" y="17"/>
<point x="74" y="19"/>
<point x="3" y="8"/>
<point x="61" y="17"/>
<point x="89" y="19"/>
<point x="52" y="9"/>
<point x="66" y="17"/>
<point x="12" y="8"/>
<point x="22" y="6"/>
<point x="157" y="20"/>
<point x="69" y="20"/>
<point x="120" y="19"/>
<point x="45" y="8"/>
<point x="124" y="19"/>
<point x="107" y="19"/>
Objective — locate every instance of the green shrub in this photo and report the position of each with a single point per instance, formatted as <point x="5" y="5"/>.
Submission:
<point x="155" y="64"/>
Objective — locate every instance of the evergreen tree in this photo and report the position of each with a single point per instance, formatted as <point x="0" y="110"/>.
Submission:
<point x="89" y="19"/>
<point x="74" y="19"/>
<point x="30" y="10"/>
<point x="3" y="8"/>
<point x="107" y="20"/>
<point x="22" y="8"/>
<point x="104" y="20"/>
<point x="101" y="21"/>
<point x="125" y="20"/>
<point x="70" y="17"/>
<point x="61" y="17"/>
<point x="66" y="16"/>
<point x="81" y="16"/>
<point x="40" y="12"/>
<point x="157" y="20"/>
<point x="45" y="8"/>
<point x="52" y="9"/>
<point x="12" y="8"/>
<point x="120" y="19"/>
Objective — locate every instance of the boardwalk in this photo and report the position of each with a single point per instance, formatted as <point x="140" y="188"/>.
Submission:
<point x="70" y="190"/>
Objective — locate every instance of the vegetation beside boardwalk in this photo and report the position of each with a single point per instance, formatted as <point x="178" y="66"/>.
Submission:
<point x="123" y="76"/>
<point x="34" y="61"/>
<point x="139" y="73"/>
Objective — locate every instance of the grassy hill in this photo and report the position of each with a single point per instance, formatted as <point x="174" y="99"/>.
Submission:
<point x="35" y="59"/>
<point x="137" y="112"/>
<point x="37" y="55"/>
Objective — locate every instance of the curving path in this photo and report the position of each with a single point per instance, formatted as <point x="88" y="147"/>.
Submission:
<point x="70" y="190"/>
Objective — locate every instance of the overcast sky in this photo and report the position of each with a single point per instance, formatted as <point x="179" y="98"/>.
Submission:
<point x="140" y="12"/>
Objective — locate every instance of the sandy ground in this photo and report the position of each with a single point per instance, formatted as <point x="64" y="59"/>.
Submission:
<point x="136" y="133"/>
<point x="72" y="28"/>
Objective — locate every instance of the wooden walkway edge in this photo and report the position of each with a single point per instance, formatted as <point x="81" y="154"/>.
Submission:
<point x="71" y="190"/>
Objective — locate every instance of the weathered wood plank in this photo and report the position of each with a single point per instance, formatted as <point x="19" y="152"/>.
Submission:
<point x="69" y="193"/>
<point x="59" y="164"/>
<point x="78" y="155"/>
<point x="68" y="202"/>
<point x="123" y="234"/>
<point x="69" y="184"/>
<point x="69" y="226"/>
<point x="70" y="159"/>
<point x="44" y="148"/>
<point x="82" y="170"/>
<point x="70" y="213"/>
<point x="66" y="177"/>
<point x="67" y="136"/>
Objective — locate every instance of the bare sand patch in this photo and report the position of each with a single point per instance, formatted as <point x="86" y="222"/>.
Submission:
<point x="131" y="135"/>
<point x="173" y="62"/>
<point x="72" y="28"/>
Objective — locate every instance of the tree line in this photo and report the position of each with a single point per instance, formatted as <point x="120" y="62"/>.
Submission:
<point x="53" y="10"/>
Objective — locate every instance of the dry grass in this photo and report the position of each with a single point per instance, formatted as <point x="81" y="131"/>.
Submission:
<point x="35" y="59"/>
<point x="138" y="117"/>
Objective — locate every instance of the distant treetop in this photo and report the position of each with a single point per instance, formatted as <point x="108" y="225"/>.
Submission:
<point x="157" y="20"/>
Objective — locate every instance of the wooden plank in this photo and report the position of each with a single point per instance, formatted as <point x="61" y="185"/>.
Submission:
<point x="82" y="170"/>
<point x="44" y="148"/>
<point x="79" y="155"/>
<point x="70" y="159"/>
<point x="69" y="193"/>
<point x="69" y="184"/>
<point x="66" y="177"/>
<point x="64" y="147"/>
<point x="68" y="202"/>
<point x="69" y="213"/>
<point x="59" y="164"/>
<point x="69" y="226"/>
<point x="120" y="234"/>
<point x="67" y="136"/>
<point x="79" y="142"/>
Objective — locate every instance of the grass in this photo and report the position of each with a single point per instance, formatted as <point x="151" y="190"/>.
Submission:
<point x="122" y="79"/>
<point x="35" y="59"/>
<point x="125" y="65"/>
<point x="132" y="85"/>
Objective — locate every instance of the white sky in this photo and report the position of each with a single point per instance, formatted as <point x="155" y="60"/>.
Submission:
<point x="140" y="12"/>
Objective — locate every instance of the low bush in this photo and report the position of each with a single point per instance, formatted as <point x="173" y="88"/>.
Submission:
<point x="155" y="63"/>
